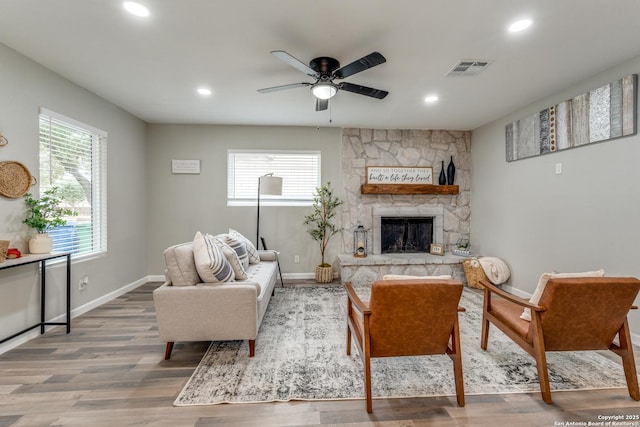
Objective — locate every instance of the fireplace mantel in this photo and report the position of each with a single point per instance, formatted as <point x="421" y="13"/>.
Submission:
<point x="408" y="189"/>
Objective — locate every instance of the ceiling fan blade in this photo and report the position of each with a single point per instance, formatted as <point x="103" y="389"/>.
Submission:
<point x="363" y="90"/>
<point x="295" y="63"/>
<point x="361" y="64"/>
<point x="283" y="87"/>
<point x="322" y="104"/>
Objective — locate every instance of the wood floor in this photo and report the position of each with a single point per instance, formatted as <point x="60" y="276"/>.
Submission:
<point x="110" y="372"/>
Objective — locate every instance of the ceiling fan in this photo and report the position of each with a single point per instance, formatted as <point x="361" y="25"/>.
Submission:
<point x="325" y="70"/>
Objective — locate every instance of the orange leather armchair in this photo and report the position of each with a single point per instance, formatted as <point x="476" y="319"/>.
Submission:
<point x="406" y="318"/>
<point x="573" y="314"/>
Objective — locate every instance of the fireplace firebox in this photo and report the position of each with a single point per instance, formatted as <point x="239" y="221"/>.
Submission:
<point x="406" y="234"/>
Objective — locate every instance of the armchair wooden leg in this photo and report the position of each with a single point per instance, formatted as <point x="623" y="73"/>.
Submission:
<point x="252" y="348"/>
<point x="168" y="350"/>
<point x="348" y="341"/>
<point x="541" y="365"/>
<point x="486" y="306"/>
<point x="626" y="352"/>
<point x="367" y="382"/>
<point x="456" y="356"/>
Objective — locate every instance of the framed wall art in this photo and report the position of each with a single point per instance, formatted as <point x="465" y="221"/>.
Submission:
<point x="605" y="113"/>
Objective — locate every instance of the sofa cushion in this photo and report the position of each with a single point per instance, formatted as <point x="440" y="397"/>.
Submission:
<point x="542" y="283"/>
<point x="231" y="256"/>
<point x="251" y="249"/>
<point x="211" y="263"/>
<point x="181" y="268"/>
<point x="237" y="245"/>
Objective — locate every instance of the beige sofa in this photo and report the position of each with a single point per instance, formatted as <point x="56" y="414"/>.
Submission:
<point x="189" y="310"/>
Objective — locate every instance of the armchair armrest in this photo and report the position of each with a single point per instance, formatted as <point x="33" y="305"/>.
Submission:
<point x="491" y="288"/>
<point x="355" y="299"/>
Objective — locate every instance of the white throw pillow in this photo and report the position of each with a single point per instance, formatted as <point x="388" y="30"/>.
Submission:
<point x="405" y="277"/>
<point x="231" y="256"/>
<point x="211" y="263"/>
<point x="542" y="283"/>
<point x="254" y="258"/>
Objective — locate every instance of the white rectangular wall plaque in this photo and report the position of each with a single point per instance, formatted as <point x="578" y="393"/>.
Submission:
<point x="399" y="175"/>
<point x="185" y="166"/>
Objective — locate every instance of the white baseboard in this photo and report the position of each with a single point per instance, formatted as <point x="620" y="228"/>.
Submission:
<point x="21" y="339"/>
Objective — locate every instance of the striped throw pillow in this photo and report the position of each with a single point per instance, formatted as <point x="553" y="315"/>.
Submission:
<point x="239" y="246"/>
<point x="211" y="262"/>
<point x="231" y="255"/>
<point x="254" y="258"/>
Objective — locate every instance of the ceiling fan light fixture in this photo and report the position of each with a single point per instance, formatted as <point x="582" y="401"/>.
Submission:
<point x="324" y="90"/>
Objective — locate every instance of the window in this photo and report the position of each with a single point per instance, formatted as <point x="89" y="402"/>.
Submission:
<point x="299" y="170"/>
<point x="73" y="159"/>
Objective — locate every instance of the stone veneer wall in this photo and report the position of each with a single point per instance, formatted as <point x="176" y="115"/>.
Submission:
<point x="392" y="147"/>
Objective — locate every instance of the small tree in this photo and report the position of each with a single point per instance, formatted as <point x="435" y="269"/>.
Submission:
<point x="320" y="222"/>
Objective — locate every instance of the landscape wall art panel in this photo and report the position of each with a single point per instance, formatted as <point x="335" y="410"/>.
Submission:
<point x="604" y="113"/>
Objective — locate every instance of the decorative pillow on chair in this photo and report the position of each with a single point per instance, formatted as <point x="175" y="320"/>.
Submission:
<point x="405" y="277"/>
<point x="231" y="256"/>
<point x="211" y="263"/>
<point x="254" y="258"/>
<point x="542" y="283"/>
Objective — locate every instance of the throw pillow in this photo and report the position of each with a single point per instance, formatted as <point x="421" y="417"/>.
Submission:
<point x="231" y="256"/>
<point x="239" y="246"/>
<point x="542" y="283"/>
<point x="211" y="263"/>
<point x="254" y="258"/>
<point x="405" y="277"/>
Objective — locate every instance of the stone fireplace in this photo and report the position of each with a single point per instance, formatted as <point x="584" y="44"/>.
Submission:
<point x="448" y="213"/>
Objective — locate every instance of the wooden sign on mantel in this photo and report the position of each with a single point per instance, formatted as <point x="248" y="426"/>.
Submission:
<point x="399" y="175"/>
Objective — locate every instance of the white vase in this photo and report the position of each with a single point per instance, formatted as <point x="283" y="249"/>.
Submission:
<point x="40" y="243"/>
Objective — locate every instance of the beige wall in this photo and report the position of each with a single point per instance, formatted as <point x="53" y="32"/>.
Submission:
<point x="584" y="219"/>
<point x="25" y="87"/>
<point x="179" y="205"/>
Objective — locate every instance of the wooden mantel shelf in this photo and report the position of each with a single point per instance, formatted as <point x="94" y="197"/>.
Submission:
<point x="408" y="189"/>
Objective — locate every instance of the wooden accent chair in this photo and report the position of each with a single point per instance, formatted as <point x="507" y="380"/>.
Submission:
<point x="573" y="314"/>
<point x="406" y="318"/>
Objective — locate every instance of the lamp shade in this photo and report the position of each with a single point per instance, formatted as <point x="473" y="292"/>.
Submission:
<point x="271" y="185"/>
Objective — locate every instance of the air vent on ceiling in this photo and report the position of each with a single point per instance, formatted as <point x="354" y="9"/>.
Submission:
<point x="468" y="67"/>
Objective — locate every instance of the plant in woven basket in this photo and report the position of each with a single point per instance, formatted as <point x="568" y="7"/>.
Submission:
<point x="320" y="221"/>
<point x="45" y="213"/>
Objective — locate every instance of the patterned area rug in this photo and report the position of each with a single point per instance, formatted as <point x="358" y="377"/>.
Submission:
<point x="300" y="355"/>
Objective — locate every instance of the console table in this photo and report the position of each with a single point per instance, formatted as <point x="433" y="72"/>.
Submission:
<point x="42" y="259"/>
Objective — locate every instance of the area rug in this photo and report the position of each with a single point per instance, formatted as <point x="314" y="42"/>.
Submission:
<point x="300" y="355"/>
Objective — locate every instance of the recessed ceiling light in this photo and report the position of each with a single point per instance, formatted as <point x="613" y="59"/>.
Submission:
<point x="204" y="91"/>
<point x="521" y="25"/>
<point x="135" y="8"/>
<point x="431" y="99"/>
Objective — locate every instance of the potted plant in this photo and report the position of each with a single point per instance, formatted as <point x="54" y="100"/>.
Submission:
<point x="321" y="227"/>
<point x="42" y="215"/>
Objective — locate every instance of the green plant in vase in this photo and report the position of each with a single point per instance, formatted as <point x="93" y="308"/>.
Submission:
<point x="42" y="215"/>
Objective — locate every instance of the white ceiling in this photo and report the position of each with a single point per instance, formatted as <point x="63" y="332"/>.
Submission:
<point x="151" y="67"/>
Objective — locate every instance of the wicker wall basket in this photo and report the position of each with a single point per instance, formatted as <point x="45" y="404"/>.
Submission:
<point x="15" y="179"/>
<point x="474" y="273"/>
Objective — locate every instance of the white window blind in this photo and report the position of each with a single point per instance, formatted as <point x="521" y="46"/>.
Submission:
<point x="299" y="170"/>
<point x="73" y="159"/>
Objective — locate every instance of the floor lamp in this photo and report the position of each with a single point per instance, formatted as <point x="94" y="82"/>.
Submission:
<point x="270" y="185"/>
